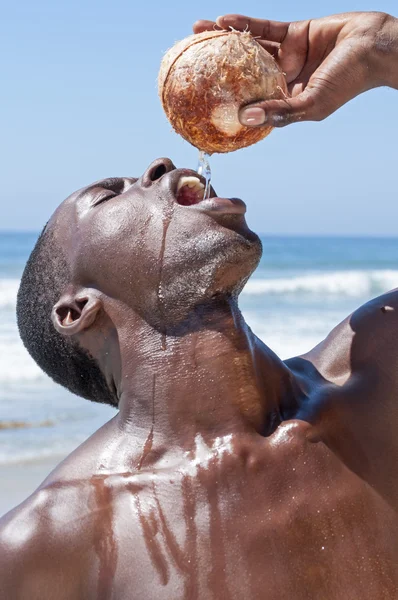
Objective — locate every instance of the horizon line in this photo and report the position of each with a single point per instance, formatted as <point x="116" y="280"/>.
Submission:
<point x="261" y="234"/>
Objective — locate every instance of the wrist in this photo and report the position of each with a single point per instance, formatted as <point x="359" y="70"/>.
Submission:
<point x="386" y="53"/>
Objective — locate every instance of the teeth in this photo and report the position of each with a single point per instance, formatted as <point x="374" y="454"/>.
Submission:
<point x="192" y="182"/>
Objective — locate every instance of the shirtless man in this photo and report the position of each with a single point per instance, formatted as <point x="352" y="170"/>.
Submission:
<point x="227" y="474"/>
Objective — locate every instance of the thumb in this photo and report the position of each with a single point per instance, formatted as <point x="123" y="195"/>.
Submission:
<point x="307" y="106"/>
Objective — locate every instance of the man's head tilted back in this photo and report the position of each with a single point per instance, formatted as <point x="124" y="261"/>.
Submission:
<point x="124" y="256"/>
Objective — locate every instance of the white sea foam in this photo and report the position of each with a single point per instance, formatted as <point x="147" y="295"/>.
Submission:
<point x="344" y="283"/>
<point x="292" y="334"/>
<point x="348" y="283"/>
<point x="14" y="456"/>
<point x="8" y="293"/>
<point x="17" y="366"/>
<point x="15" y="363"/>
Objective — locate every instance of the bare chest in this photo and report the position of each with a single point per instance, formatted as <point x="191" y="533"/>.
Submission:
<point x="273" y="522"/>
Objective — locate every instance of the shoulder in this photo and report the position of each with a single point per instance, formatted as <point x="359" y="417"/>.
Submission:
<point x="37" y="542"/>
<point x="374" y="326"/>
<point x="350" y="384"/>
<point x="364" y="344"/>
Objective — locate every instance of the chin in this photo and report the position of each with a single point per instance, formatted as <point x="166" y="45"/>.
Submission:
<point x="239" y="260"/>
<point x="219" y="263"/>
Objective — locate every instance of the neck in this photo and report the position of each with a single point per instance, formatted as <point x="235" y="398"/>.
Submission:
<point x="211" y="377"/>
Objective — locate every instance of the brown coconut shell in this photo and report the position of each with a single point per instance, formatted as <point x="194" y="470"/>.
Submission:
<point x="206" y="78"/>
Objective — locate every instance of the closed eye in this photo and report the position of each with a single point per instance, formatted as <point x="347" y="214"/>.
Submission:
<point x="104" y="190"/>
<point x="99" y="195"/>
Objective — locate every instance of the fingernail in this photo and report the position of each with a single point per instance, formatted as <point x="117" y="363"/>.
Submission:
<point x="253" y="116"/>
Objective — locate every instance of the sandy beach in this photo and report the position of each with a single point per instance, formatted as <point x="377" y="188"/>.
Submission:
<point x="20" y="480"/>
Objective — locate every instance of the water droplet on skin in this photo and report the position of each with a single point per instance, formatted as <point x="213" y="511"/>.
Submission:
<point x="386" y="309"/>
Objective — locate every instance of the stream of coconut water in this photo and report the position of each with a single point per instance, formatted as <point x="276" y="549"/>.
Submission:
<point x="203" y="168"/>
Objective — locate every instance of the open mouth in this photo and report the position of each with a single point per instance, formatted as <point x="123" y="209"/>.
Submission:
<point x="190" y="190"/>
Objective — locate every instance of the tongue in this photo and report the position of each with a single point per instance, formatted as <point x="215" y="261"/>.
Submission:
<point x="187" y="196"/>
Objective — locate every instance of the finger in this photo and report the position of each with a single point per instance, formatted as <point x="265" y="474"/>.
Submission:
<point x="204" y="25"/>
<point x="341" y="77"/>
<point x="307" y="106"/>
<point x="271" y="47"/>
<point x="276" y="113"/>
<point x="320" y="99"/>
<point x="293" y="54"/>
<point x="273" y="31"/>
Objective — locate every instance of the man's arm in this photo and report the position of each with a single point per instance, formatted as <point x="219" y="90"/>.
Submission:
<point x="385" y="52"/>
<point x="327" y="61"/>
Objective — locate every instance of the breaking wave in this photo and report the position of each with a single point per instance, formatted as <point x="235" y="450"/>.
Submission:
<point x="8" y="293"/>
<point x="342" y="283"/>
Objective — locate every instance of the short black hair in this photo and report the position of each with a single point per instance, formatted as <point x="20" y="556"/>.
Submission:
<point x="44" y="279"/>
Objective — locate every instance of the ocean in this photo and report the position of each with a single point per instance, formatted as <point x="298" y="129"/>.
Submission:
<point x="303" y="287"/>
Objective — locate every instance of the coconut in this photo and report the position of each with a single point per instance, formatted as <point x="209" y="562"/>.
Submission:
<point x="204" y="81"/>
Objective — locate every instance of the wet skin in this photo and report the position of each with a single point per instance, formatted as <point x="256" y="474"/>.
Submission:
<point x="227" y="473"/>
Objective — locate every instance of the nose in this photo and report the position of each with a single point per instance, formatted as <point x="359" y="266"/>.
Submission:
<point x="156" y="170"/>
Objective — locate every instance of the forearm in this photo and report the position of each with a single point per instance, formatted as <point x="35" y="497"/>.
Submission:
<point x="386" y="53"/>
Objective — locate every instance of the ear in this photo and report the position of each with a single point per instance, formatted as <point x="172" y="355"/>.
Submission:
<point x="73" y="314"/>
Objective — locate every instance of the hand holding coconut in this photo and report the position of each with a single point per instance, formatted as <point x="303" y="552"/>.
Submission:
<point x="327" y="62"/>
<point x="206" y="78"/>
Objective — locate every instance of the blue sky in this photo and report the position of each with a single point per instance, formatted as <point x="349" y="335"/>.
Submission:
<point x="79" y="102"/>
